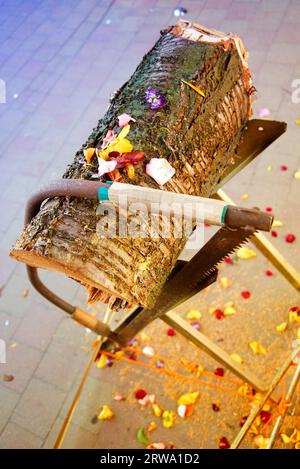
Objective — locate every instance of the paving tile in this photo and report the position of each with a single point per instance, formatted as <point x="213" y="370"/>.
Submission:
<point x="38" y="407"/>
<point x="21" y="361"/>
<point x="16" y="437"/>
<point x="8" y="401"/>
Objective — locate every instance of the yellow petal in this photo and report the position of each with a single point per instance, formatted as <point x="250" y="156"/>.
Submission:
<point x="229" y="310"/>
<point x="281" y="327"/>
<point x="144" y="337"/>
<point x="194" y="314"/>
<point x="297" y="121"/>
<point x="285" y="438"/>
<point x="297" y="174"/>
<point x="188" y="398"/>
<point x="277" y="224"/>
<point x="261" y="442"/>
<point x="295" y="436"/>
<point x="88" y="153"/>
<point x="294" y="317"/>
<point x="124" y="132"/>
<point x="106" y="413"/>
<point x="130" y="172"/>
<point x="236" y="357"/>
<point x="297" y="445"/>
<point x="257" y="348"/>
<point x="225" y="282"/>
<point x="168" y="418"/>
<point x="244" y="197"/>
<point x="194" y="87"/>
<point x="298" y="333"/>
<point x="122" y="146"/>
<point x="246" y="253"/>
<point x="270" y="168"/>
<point x="156" y="410"/>
<point x="102" y="361"/>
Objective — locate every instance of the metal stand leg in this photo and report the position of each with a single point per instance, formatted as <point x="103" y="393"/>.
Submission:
<point x="269" y="251"/>
<point x="201" y="341"/>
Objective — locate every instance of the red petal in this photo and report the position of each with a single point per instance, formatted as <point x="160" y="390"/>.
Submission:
<point x="294" y="308"/>
<point x="228" y="260"/>
<point x="219" y="314"/>
<point x="269" y="273"/>
<point x="243" y="420"/>
<point x="290" y="238"/>
<point x="140" y="394"/>
<point x="274" y="233"/>
<point x="246" y="294"/>
<point x="224" y="443"/>
<point x="171" y="332"/>
<point x="269" y="209"/>
<point x="215" y="407"/>
<point x="284" y="168"/>
<point x="219" y="372"/>
<point x="265" y="416"/>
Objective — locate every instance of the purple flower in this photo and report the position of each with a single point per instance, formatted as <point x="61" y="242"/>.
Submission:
<point x="154" y="98"/>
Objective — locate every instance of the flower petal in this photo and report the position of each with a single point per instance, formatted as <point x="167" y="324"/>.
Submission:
<point x="106" y="413"/>
<point x="160" y="170"/>
<point x="188" y="398"/>
<point x="281" y="327"/>
<point x="194" y="88"/>
<point x="89" y="153"/>
<point x="245" y="253"/>
<point x="193" y="315"/>
<point x="105" y="166"/>
<point x="124" y="119"/>
<point x="257" y="348"/>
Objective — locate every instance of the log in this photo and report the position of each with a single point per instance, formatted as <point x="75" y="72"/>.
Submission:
<point x="196" y="134"/>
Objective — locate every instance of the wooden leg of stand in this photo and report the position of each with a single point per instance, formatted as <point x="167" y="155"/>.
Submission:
<point x="269" y="251"/>
<point x="258" y="407"/>
<point x="201" y="341"/>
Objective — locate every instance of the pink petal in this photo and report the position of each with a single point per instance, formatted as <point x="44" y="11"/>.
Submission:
<point x="105" y="166"/>
<point x="109" y="138"/>
<point x="263" y="112"/>
<point x="160" y="170"/>
<point x="124" y="119"/>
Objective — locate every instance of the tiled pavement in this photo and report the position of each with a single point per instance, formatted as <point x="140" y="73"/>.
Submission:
<point x="61" y="60"/>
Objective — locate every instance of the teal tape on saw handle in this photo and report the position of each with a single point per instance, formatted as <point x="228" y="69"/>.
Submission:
<point x="103" y="193"/>
<point x="224" y="211"/>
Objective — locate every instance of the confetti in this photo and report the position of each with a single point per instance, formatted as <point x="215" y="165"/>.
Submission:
<point x="281" y="327"/>
<point x="269" y="273"/>
<point x="196" y="325"/>
<point x="270" y="168"/>
<point x="269" y="209"/>
<point x="140" y="394"/>
<point x="215" y="407"/>
<point x="168" y="418"/>
<point x="235" y="357"/>
<point x="224" y="443"/>
<point x="106" y="413"/>
<point x="142" y="437"/>
<point x="244" y="197"/>
<point x="124" y="119"/>
<point x="88" y="154"/>
<point x="297" y="174"/>
<point x="245" y="253"/>
<point x="171" y="332"/>
<point x="160" y="170"/>
<point x="274" y="233"/>
<point x="101" y="363"/>
<point x="257" y="348"/>
<point x="225" y="282"/>
<point x="283" y="167"/>
<point x="228" y="260"/>
<point x="229" y="309"/>
<point x="219" y="314"/>
<point x="148" y="351"/>
<point x="219" y="372"/>
<point x="290" y="238"/>
<point x="156" y="410"/>
<point x="193" y="315"/>
<point x="245" y="294"/>
<point x="193" y="87"/>
<point x="260" y="441"/>
<point x="188" y="398"/>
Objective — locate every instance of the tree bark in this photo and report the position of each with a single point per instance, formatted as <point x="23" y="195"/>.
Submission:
<point x="198" y="137"/>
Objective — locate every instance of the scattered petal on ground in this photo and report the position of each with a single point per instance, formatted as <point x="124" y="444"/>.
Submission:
<point x="257" y="348"/>
<point x="245" y="253"/>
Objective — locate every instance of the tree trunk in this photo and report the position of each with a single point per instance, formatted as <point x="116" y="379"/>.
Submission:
<point x="197" y="135"/>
